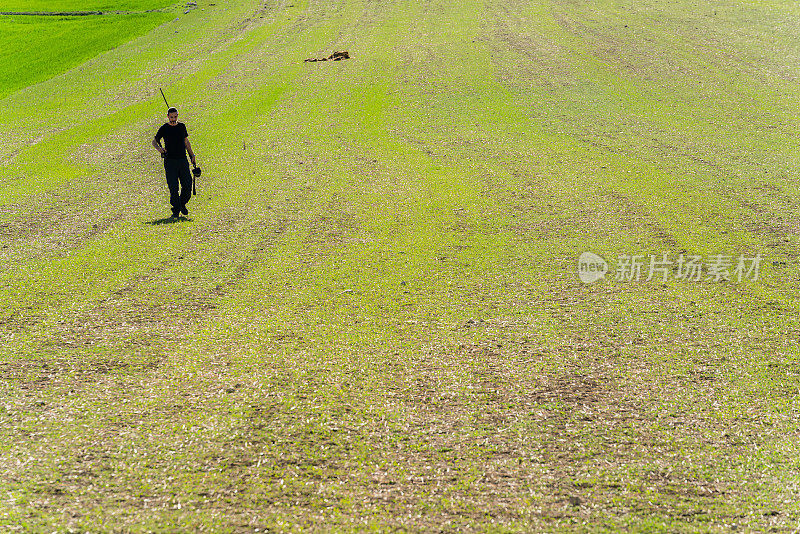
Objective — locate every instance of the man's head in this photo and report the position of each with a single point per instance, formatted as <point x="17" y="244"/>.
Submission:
<point x="172" y="115"/>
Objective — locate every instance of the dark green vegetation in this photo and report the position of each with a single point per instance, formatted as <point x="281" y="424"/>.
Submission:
<point x="50" y="6"/>
<point x="36" y="48"/>
<point x="372" y="319"/>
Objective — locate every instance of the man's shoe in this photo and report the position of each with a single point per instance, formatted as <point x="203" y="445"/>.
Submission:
<point x="175" y="214"/>
<point x="184" y="210"/>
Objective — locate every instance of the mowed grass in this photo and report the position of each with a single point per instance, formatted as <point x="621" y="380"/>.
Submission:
<point x="36" y="48"/>
<point x="372" y="319"/>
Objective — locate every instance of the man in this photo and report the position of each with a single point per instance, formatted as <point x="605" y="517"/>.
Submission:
<point x="176" y="141"/>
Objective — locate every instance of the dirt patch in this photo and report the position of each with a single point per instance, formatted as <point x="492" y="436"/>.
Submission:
<point x="767" y="223"/>
<point x="248" y="264"/>
<point x="462" y="434"/>
<point x="545" y="62"/>
<point x="34" y="375"/>
<point x="636" y="218"/>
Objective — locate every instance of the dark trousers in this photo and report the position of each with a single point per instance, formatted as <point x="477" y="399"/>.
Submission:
<point x="178" y="170"/>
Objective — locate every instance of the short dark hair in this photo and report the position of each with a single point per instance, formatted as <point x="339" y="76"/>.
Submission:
<point x="172" y="110"/>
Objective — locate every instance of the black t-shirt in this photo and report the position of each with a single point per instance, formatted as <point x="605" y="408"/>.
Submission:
<point x="173" y="139"/>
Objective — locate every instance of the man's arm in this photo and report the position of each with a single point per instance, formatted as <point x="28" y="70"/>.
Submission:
<point x="157" y="144"/>
<point x="189" y="149"/>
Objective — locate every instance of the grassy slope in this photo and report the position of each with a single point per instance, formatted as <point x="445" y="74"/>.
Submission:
<point x="36" y="48"/>
<point x="299" y="354"/>
<point x="82" y="5"/>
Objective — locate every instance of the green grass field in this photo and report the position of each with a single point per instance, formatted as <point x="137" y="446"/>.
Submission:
<point x="372" y="318"/>
<point x="36" y="48"/>
<point x="50" y="6"/>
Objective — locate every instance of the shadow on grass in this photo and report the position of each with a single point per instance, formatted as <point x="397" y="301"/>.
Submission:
<point x="169" y="220"/>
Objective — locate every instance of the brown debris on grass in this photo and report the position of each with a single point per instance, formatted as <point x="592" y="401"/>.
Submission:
<point x="335" y="56"/>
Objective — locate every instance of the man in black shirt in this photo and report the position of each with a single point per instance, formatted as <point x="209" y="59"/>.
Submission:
<point x="176" y="141"/>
